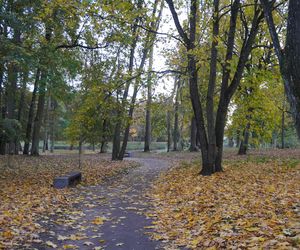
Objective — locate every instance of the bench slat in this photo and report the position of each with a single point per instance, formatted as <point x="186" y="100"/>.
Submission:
<point x="70" y="179"/>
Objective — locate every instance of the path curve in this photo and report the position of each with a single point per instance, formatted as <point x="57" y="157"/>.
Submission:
<point x="107" y="216"/>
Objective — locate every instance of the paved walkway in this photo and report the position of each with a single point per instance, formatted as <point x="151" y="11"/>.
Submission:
<point x="107" y="216"/>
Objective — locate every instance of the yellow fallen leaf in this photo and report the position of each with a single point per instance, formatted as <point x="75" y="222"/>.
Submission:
<point x="70" y="247"/>
<point x="98" y="221"/>
<point x="7" y="234"/>
<point x="252" y="229"/>
<point x="51" y="244"/>
<point x="149" y="227"/>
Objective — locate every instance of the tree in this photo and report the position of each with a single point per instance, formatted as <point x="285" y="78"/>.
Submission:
<point x="289" y="57"/>
<point x="211" y="138"/>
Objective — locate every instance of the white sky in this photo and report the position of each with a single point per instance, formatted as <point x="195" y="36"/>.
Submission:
<point x="165" y="84"/>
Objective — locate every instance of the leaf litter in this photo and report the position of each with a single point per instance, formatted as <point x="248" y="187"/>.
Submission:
<point x="253" y="204"/>
<point x="28" y="198"/>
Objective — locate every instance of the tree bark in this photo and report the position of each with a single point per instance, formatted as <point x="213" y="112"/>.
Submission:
<point x="282" y="129"/>
<point x="149" y="102"/>
<point x="103" y="147"/>
<point x="12" y="78"/>
<point x="168" y="131"/>
<point x="116" y="142"/>
<point x="176" y="118"/>
<point x="193" y="136"/>
<point x="211" y="89"/>
<point x="31" y="114"/>
<point x="245" y="141"/>
<point x="46" y="123"/>
<point x="2" y="109"/>
<point x="39" y="116"/>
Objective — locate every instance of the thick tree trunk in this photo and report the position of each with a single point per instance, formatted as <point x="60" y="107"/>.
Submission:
<point x="293" y="60"/>
<point x="211" y="134"/>
<point x="193" y="136"/>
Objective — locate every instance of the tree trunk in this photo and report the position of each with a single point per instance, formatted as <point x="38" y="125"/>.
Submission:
<point x="282" y="128"/>
<point x="41" y="103"/>
<point x="46" y="122"/>
<point x="127" y="129"/>
<point x="2" y="110"/>
<point x="103" y="147"/>
<point x="116" y="141"/>
<point x="12" y="77"/>
<point x="289" y="58"/>
<point x="168" y="131"/>
<point x="237" y="139"/>
<point x="149" y="102"/>
<point x="149" y="42"/>
<point x="211" y="133"/>
<point x="18" y="146"/>
<point x="31" y="114"/>
<point x="245" y="141"/>
<point x="207" y="142"/>
<point x="52" y="107"/>
<point x="176" y="114"/>
<point x="117" y="130"/>
<point x="228" y="91"/>
<point x="193" y="136"/>
<point x="39" y="116"/>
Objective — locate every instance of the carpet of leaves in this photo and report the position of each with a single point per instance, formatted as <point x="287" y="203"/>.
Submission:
<point x="26" y="190"/>
<point x="253" y="204"/>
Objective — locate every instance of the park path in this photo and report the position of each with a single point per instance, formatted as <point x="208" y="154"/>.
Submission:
<point x="112" y="215"/>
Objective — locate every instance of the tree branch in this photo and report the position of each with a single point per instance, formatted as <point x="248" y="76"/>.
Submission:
<point x="177" y="23"/>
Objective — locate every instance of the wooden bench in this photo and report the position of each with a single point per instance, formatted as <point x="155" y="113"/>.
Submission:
<point x="67" y="180"/>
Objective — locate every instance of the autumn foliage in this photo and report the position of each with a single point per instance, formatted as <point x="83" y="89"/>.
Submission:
<point x="253" y="204"/>
<point x="26" y="191"/>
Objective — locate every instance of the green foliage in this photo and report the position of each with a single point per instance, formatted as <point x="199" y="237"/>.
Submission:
<point x="10" y="130"/>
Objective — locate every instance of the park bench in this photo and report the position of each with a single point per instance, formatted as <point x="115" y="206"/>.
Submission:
<point x="128" y="154"/>
<point x="67" y="180"/>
